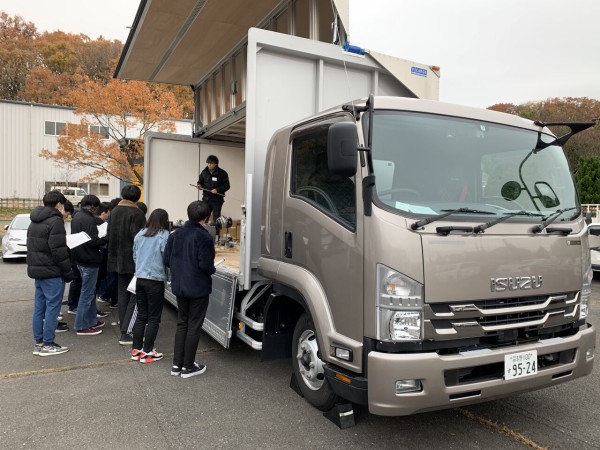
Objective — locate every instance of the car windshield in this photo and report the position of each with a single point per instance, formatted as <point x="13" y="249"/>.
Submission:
<point x="426" y="164"/>
<point x="20" y="223"/>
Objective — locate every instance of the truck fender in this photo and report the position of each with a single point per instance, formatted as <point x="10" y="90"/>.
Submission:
<point x="311" y="290"/>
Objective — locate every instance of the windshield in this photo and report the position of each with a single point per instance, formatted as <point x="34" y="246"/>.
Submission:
<point x="20" y="223"/>
<point x="425" y="164"/>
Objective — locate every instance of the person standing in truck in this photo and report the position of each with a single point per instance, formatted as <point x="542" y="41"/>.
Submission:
<point x="190" y="255"/>
<point x="214" y="182"/>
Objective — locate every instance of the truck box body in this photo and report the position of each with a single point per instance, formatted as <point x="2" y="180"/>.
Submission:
<point x="422" y="279"/>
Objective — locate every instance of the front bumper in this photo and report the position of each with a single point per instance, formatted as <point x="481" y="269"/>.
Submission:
<point x="439" y="393"/>
<point x="14" y="250"/>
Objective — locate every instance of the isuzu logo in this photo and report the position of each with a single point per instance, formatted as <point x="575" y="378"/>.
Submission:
<point x="516" y="283"/>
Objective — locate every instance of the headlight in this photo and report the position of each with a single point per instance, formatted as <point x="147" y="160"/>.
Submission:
<point x="586" y="293"/>
<point x="399" y="306"/>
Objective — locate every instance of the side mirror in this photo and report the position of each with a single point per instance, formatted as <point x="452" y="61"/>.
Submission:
<point x="6" y="227"/>
<point x="546" y="194"/>
<point x="342" y="145"/>
<point x="511" y="190"/>
<point x="588" y="217"/>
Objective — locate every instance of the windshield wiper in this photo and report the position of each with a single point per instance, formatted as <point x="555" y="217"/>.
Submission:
<point x="551" y="218"/>
<point x="421" y="223"/>
<point x="484" y="226"/>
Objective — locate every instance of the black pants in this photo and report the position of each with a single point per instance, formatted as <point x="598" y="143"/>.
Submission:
<point x="74" y="288"/>
<point x="190" y="317"/>
<point x="215" y="205"/>
<point x="150" y="295"/>
<point x="126" y="301"/>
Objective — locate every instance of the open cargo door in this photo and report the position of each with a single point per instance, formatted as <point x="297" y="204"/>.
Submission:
<point x="171" y="164"/>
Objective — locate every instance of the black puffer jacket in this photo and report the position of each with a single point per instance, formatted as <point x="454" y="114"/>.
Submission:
<point x="89" y="253"/>
<point x="47" y="251"/>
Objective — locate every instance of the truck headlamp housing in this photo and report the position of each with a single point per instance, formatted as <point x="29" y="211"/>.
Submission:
<point x="586" y="293"/>
<point x="399" y="306"/>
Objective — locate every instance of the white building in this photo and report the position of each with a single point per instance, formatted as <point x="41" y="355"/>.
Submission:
<point x="27" y="128"/>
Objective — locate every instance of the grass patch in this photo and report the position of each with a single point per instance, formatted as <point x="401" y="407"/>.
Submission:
<point x="9" y="213"/>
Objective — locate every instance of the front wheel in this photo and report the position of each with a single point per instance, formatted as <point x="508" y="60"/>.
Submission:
<point x="308" y="367"/>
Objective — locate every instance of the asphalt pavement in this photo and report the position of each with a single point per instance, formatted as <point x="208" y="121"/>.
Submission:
<point x="95" y="397"/>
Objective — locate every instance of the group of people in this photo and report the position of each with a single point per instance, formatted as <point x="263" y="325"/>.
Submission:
<point x="140" y="255"/>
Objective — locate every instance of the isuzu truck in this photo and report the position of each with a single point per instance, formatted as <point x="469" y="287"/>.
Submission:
<point x="406" y="254"/>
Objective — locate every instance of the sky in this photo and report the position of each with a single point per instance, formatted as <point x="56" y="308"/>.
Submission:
<point x="489" y="51"/>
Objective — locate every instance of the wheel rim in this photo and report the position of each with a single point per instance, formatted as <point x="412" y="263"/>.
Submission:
<point x="309" y="364"/>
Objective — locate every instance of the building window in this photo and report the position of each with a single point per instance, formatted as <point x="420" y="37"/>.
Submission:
<point x="98" y="189"/>
<point x="53" y="128"/>
<point x="102" y="131"/>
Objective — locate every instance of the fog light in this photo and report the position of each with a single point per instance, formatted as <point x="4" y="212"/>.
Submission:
<point x="341" y="353"/>
<point x="406" y="386"/>
<point x="589" y="354"/>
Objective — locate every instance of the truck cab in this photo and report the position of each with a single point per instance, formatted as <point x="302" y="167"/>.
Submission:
<point x="417" y="237"/>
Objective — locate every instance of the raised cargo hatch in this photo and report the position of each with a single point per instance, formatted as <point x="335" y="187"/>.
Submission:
<point x="181" y="42"/>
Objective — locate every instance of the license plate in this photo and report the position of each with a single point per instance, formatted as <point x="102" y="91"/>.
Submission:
<point x="518" y="365"/>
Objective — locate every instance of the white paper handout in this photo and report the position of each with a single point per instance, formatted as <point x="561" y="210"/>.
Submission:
<point x="132" y="283"/>
<point x="102" y="229"/>
<point x="73" y="240"/>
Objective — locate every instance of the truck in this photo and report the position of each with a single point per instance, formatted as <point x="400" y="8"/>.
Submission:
<point x="404" y="253"/>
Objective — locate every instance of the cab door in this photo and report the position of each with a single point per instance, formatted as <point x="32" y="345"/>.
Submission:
<point x="321" y="227"/>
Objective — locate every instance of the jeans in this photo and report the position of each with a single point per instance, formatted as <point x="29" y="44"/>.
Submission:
<point x="150" y="296"/>
<point x="86" y="309"/>
<point x="126" y="301"/>
<point x="190" y="317"/>
<point x="106" y="287"/>
<point x="48" y="297"/>
<point x="74" y="288"/>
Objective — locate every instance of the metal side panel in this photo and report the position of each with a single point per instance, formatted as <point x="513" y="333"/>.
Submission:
<point x="220" y="307"/>
<point x="217" y="322"/>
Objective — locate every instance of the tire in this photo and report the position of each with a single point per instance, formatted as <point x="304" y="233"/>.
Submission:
<point x="310" y="380"/>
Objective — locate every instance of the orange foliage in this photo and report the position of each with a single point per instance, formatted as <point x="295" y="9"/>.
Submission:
<point x="127" y="110"/>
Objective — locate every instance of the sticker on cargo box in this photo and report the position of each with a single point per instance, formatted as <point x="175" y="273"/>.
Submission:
<point x="518" y="365"/>
<point x="418" y="71"/>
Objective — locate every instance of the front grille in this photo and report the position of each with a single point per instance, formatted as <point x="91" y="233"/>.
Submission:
<point x="458" y="320"/>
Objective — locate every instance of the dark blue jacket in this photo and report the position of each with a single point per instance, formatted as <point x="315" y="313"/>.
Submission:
<point x="190" y="254"/>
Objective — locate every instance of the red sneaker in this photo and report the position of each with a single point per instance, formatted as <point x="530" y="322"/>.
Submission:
<point x="99" y="324"/>
<point x="137" y="354"/>
<point x="150" y="357"/>
<point x="89" y="332"/>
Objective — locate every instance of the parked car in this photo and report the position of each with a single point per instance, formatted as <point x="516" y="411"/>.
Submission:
<point x="14" y="241"/>
<point x="595" y="254"/>
<point x="73" y="194"/>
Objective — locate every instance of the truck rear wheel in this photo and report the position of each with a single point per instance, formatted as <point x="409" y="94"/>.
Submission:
<point x="308" y="367"/>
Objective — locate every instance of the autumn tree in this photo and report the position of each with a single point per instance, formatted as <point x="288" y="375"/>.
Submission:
<point x="18" y="54"/>
<point x="125" y="111"/>
<point x="567" y="109"/>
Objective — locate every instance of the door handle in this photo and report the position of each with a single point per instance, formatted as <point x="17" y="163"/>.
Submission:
<point x="288" y="244"/>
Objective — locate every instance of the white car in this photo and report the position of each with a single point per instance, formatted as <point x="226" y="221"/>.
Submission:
<point x="14" y="241"/>
<point x="595" y="253"/>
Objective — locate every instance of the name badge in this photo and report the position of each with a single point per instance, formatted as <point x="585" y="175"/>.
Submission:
<point x="214" y="178"/>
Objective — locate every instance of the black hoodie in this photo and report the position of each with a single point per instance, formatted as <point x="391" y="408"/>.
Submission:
<point x="47" y="251"/>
